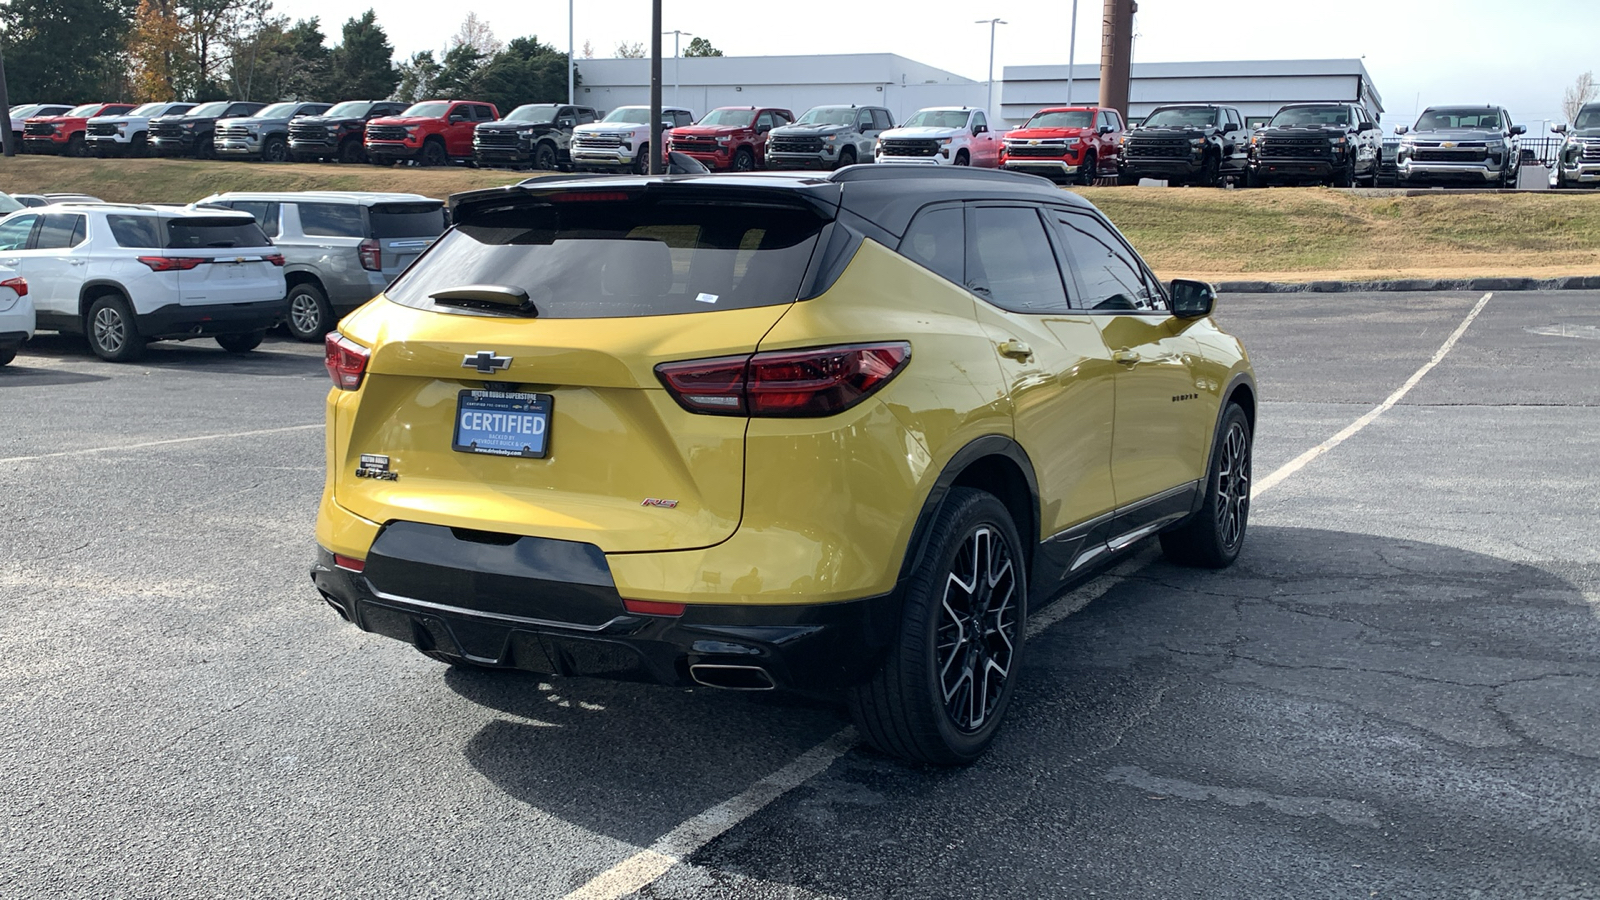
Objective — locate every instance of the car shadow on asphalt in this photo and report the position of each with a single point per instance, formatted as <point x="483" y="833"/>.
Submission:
<point x="16" y="375"/>
<point x="273" y="357"/>
<point x="1341" y="712"/>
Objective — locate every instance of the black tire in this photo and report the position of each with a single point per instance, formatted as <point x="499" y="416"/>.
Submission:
<point x="1345" y="177"/>
<point x="240" y="343"/>
<point x="113" y="334"/>
<point x="7" y="354"/>
<point x="641" y="160"/>
<point x="1212" y="537"/>
<point x="962" y="159"/>
<point x="433" y="154"/>
<point x="205" y="147"/>
<point x="350" y="151"/>
<point x="544" y="158"/>
<point x="1210" y="172"/>
<point x="1086" y="172"/>
<point x="275" y="150"/>
<point x="914" y="706"/>
<point x="1254" y="179"/>
<point x="847" y="157"/>
<point x="744" y="160"/>
<point x="310" y="317"/>
<point x="77" y="148"/>
<point x="140" y="145"/>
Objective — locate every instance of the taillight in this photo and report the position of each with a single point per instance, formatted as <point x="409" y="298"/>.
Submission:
<point x="789" y="383"/>
<point x="274" y="258"/>
<point x="346" y="360"/>
<point x="371" y="253"/>
<point x="20" y="285"/>
<point x="171" y="263"/>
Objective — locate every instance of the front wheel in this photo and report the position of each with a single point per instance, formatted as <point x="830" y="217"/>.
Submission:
<point x="948" y="678"/>
<point x="744" y="160"/>
<point x="276" y="150"/>
<point x="1210" y="172"/>
<point x="350" y="151"/>
<point x="76" y="148"/>
<point x="641" y="161"/>
<point x="113" y="335"/>
<point x="1086" y="172"/>
<point x="433" y="154"/>
<point x="240" y="343"/>
<point x="847" y="157"/>
<point x="544" y="158"/>
<point x="1212" y="538"/>
<point x="962" y="159"/>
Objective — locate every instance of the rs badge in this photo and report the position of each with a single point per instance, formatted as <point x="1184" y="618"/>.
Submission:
<point x="376" y="466"/>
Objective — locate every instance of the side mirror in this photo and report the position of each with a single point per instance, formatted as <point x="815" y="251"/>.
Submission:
<point x="1230" y="128"/>
<point x="1401" y="129"/>
<point x="566" y="122"/>
<point x="1366" y="126"/>
<point x="1518" y="129"/>
<point x="1104" y="129"/>
<point x="763" y="129"/>
<point x="1192" y="299"/>
<point x="1559" y="128"/>
<point x="979" y="129"/>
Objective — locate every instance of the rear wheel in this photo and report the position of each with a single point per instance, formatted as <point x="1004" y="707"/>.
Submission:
<point x="241" y="343"/>
<point x="949" y="677"/>
<point x="433" y="153"/>
<point x="310" y="317"/>
<point x="1213" y="536"/>
<point x="7" y="354"/>
<point x="113" y="335"/>
<point x="544" y="158"/>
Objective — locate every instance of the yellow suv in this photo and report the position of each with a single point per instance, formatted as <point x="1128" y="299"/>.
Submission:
<point x="829" y="434"/>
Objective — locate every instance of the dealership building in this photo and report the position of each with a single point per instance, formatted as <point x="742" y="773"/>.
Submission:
<point x="1256" y="87"/>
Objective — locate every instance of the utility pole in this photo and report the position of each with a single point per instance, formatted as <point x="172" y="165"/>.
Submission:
<point x="571" y="66"/>
<point x="1116" y="54"/>
<point x="1072" y="50"/>
<point x="676" y="37"/>
<point x="655" y="88"/>
<point x="989" y="109"/>
<point x="8" y="141"/>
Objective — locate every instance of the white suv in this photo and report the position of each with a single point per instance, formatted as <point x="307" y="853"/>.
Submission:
<point x="128" y="133"/>
<point x="16" y="314"/>
<point x="942" y="136"/>
<point x="617" y="142"/>
<point x="124" y="275"/>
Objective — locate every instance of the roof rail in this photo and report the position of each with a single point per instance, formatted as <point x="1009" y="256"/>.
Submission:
<point x="893" y="172"/>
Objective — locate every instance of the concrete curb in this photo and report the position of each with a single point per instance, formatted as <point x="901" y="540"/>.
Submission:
<point x="1569" y="283"/>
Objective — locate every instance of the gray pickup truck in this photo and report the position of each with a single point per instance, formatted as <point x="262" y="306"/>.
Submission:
<point x="1464" y="145"/>
<point x="265" y="135"/>
<point x="340" y="248"/>
<point x="828" y="137"/>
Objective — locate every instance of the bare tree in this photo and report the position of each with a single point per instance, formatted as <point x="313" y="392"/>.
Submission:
<point x="479" y="35"/>
<point x="1581" y="91"/>
<point x="588" y="50"/>
<point x="634" y="50"/>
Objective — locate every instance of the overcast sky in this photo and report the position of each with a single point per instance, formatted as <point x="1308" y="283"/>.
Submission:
<point x="1522" y="55"/>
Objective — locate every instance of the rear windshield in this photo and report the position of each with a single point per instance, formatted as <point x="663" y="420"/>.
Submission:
<point x="615" y="259"/>
<point x="392" y="220"/>
<point x="219" y="232"/>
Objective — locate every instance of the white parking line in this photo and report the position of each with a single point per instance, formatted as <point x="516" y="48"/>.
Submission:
<point x="184" y="440"/>
<point x="644" y="867"/>
<point x="1299" y="462"/>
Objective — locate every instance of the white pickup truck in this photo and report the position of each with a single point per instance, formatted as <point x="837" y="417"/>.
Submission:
<point x="127" y="134"/>
<point x="942" y="136"/>
<point x="619" y="141"/>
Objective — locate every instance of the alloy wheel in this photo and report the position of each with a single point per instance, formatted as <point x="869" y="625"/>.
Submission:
<point x="110" y="330"/>
<point x="1233" y="486"/>
<point x="977" y="630"/>
<point x="305" y="314"/>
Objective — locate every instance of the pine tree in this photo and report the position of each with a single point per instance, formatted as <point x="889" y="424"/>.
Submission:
<point x="701" y="47"/>
<point x="363" y="66"/>
<point x="66" y="50"/>
<point x="526" y="71"/>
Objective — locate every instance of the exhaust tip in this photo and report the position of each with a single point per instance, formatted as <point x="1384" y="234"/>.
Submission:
<point x="732" y="678"/>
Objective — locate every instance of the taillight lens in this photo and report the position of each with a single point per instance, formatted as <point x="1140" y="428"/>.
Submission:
<point x="274" y="258"/>
<point x="371" y="253"/>
<point x="20" y="285"/>
<point x="789" y="383"/>
<point x="346" y="361"/>
<point x="171" y="263"/>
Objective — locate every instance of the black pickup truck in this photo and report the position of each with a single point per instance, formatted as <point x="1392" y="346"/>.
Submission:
<point x="534" y="134"/>
<point x="1334" y="144"/>
<point x="189" y="134"/>
<point x="1198" y="144"/>
<point x="339" y="132"/>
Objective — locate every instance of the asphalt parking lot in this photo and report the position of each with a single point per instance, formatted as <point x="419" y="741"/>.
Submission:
<point x="1394" y="693"/>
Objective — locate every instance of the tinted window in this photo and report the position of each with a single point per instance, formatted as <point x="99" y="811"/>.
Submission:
<point x="882" y="120"/>
<point x="214" y="233"/>
<point x="265" y="212"/>
<point x="764" y="121"/>
<point x="585" y="116"/>
<point x="937" y="241"/>
<point x="135" y="231"/>
<point x="407" y="220"/>
<point x="14" y="232"/>
<point x="1010" y="261"/>
<point x="332" y="220"/>
<point x="56" y="232"/>
<point x="979" y="121"/>
<point x="1108" y="274"/>
<point x="614" y="259"/>
<point x="864" y="120"/>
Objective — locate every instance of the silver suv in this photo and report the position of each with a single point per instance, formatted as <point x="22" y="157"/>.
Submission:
<point x="340" y="248"/>
<point x="828" y="137"/>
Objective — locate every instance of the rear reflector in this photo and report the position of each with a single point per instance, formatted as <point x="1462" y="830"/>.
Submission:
<point x="20" y="285"/>
<point x="171" y="263"/>
<point x="788" y="383"/>
<point x="346" y="360"/>
<point x="653" y="607"/>
<point x="349" y="563"/>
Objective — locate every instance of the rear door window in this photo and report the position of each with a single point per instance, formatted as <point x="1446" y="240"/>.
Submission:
<point x="937" y="241"/>
<point x="142" y="232"/>
<point x="218" y="233"/>
<point x="611" y="259"/>
<point x="57" y="232"/>
<point x="332" y="220"/>
<point x="392" y="220"/>
<point x="1010" y="262"/>
<point x="265" y="212"/>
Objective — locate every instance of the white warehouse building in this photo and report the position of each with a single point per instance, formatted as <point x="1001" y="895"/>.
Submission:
<point x="797" y="83"/>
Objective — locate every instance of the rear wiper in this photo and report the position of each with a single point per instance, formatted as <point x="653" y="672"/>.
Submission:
<point x="499" y="298"/>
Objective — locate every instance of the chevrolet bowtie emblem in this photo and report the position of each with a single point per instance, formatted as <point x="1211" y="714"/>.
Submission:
<point x="486" y="362"/>
<point x="1448" y="144"/>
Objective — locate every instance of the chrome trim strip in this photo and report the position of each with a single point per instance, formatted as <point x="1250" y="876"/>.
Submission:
<point x="500" y="617"/>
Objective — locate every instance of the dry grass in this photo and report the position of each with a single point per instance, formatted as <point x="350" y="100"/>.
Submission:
<point x="1279" y="234"/>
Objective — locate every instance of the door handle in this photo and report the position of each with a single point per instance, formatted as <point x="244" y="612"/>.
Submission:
<point x="1015" y="350"/>
<point x="1125" y="356"/>
<point x="10" y="262"/>
<point x="76" y="262"/>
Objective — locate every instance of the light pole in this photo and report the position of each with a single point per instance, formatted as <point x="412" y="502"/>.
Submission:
<point x="991" y="23"/>
<point x="1072" y="50"/>
<point x="676" y="35"/>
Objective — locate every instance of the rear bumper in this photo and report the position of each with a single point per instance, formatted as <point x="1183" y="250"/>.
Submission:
<point x="174" y="321"/>
<point x="551" y="607"/>
<point x="13" y="338"/>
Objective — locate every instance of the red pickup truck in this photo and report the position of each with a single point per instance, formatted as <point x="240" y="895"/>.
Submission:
<point x="1078" y="143"/>
<point x="432" y="132"/>
<point x="732" y="137"/>
<point x="63" y="134"/>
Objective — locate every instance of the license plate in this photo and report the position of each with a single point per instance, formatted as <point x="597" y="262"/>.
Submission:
<point x="502" y="423"/>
